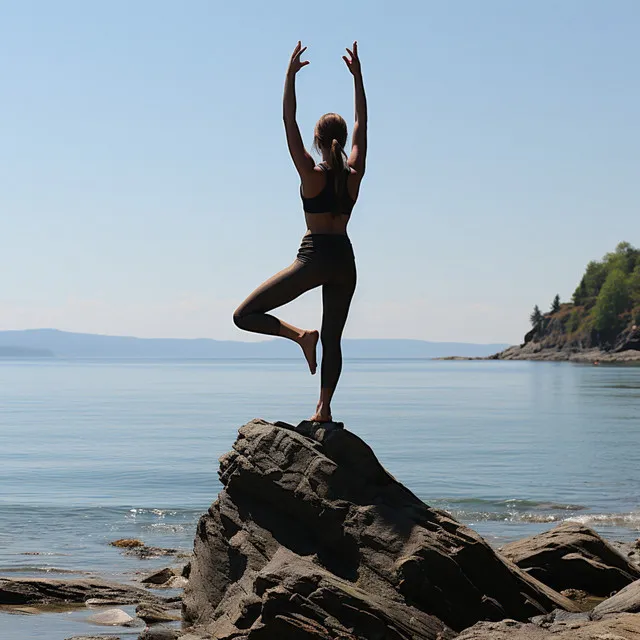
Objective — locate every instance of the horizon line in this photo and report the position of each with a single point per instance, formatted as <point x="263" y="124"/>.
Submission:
<point x="273" y="339"/>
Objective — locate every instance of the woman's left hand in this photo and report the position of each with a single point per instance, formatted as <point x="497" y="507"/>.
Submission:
<point x="295" y="64"/>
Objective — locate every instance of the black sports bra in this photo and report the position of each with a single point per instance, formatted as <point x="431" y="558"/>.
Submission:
<point x="327" y="201"/>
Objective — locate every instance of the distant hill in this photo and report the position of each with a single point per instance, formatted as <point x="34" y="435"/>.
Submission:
<point x="24" y="352"/>
<point x="85" y="345"/>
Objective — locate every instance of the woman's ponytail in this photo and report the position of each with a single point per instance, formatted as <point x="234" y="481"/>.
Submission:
<point x="338" y="165"/>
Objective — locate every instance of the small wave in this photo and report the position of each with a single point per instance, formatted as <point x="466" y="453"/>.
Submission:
<point x="629" y="520"/>
<point x="170" y="528"/>
<point x="38" y="569"/>
<point x="506" y="516"/>
<point x="159" y="513"/>
<point x="513" y="503"/>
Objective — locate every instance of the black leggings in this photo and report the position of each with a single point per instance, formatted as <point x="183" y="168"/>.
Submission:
<point x="323" y="259"/>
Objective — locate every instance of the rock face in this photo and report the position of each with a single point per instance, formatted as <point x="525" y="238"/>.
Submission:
<point x="572" y="556"/>
<point x="21" y="591"/>
<point x="622" y="627"/>
<point x="312" y="538"/>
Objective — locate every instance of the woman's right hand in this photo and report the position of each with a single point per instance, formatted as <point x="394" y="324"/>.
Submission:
<point x="353" y="64"/>
<point x="295" y="64"/>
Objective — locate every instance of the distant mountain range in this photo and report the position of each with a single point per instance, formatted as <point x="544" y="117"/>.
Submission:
<point x="64" y="344"/>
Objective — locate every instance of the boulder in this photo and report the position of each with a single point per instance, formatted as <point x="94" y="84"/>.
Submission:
<point x="572" y="556"/>
<point x="168" y="578"/>
<point x="622" y="627"/>
<point x="152" y="613"/>
<point x="20" y="591"/>
<point x="627" y="600"/>
<point x="311" y="535"/>
<point x="113" y="617"/>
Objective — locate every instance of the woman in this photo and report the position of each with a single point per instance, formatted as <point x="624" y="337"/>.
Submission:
<point x="329" y="191"/>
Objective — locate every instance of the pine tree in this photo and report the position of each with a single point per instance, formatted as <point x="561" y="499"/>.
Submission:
<point x="555" y="305"/>
<point x="536" y="316"/>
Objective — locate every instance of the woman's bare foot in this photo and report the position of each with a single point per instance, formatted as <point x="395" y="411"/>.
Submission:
<point x="309" y="341"/>
<point x="322" y="414"/>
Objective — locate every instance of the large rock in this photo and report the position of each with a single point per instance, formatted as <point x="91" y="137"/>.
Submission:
<point x="21" y="591"/>
<point x="113" y="618"/>
<point x="312" y="536"/>
<point x="572" y="556"/>
<point x="622" y="627"/>
<point x="626" y="600"/>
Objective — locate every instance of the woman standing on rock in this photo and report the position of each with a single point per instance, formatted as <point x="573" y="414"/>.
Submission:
<point x="329" y="191"/>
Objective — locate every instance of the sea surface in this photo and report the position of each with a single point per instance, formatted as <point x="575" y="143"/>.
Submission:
<point x="95" y="450"/>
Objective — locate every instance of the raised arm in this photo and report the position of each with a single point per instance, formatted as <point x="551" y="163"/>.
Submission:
<point x="301" y="157"/>
<point x="357" y="157"/>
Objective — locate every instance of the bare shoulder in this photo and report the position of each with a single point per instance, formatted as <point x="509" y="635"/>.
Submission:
<point x="313" y="181"/>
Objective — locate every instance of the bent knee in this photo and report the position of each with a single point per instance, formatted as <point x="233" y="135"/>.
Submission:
<point x="238" y="317"/>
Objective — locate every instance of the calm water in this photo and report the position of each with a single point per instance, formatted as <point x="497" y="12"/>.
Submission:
<point x="91" y="451"/>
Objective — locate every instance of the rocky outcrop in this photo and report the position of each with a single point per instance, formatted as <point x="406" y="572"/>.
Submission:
<point x="572" y="556"/>
<point x="537" y="351"/>
<point x="628" y="340"/>
<point x="312" y="538"/>
<point x="622" y="627"/>
<point x="168" y="578"/>
<point x="23" y="591"/>
<point x="627" y="600"/>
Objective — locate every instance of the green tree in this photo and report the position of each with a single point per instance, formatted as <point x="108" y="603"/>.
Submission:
<point x="613" y="299"/>
<point x="580" y="294"/>
<point x="591" y="283"/>
<point x="536" y="316"/>
<point x="555" y="305"/>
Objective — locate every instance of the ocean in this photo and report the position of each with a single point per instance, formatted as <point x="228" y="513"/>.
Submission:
<point x="95" y="450"/>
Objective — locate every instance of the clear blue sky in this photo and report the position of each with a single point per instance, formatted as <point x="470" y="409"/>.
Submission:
<point x="146" y="186"/>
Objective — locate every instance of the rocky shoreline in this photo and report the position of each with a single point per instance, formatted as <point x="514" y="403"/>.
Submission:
<point x="311" y="538"/>
<point x="536" y="353"/>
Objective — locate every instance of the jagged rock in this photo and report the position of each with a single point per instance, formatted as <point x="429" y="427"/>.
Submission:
<point x="152" y="613"/>
<point x="623" y="627"/>
<point x="312" y="536"/>
<point x="626" y="600"/>
<point x="628" y="340"/>
<point x="572" y="556"/>
<point x="168" y="578"/>
<point x="19" y="591"/>
<point x="159" y="577"/>
<point x="112" y="617"/>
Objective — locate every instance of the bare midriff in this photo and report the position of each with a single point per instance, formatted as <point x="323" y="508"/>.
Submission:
<point x="326" y="223"/>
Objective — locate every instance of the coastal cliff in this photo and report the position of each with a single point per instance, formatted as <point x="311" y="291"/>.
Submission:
<point x="601" y="323"/>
